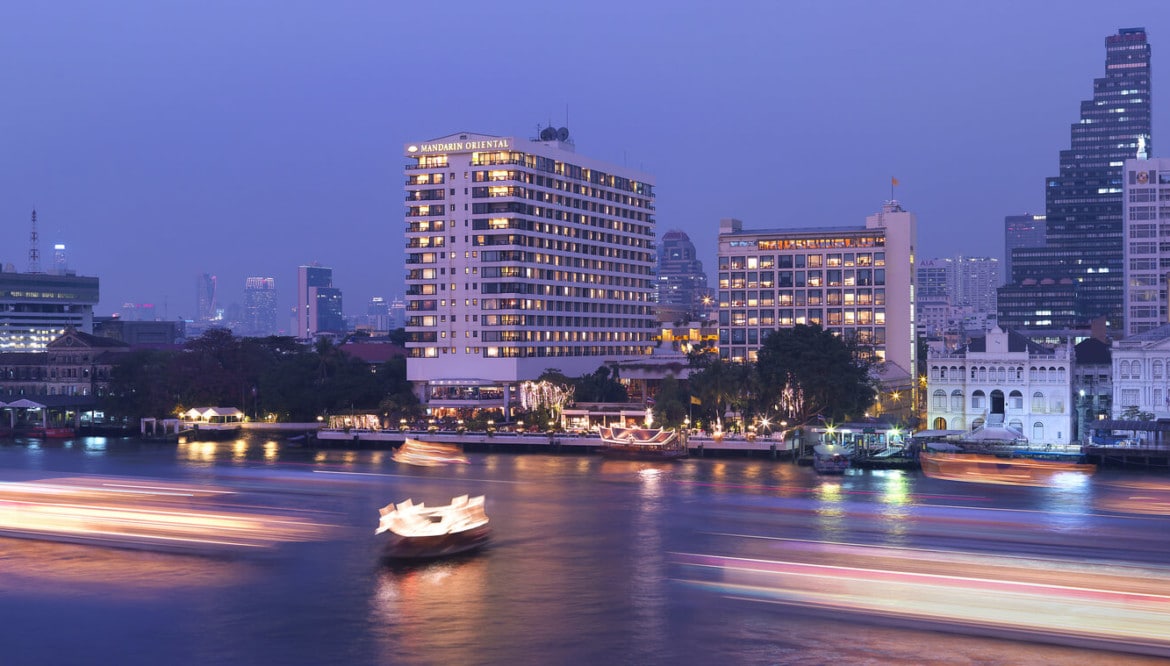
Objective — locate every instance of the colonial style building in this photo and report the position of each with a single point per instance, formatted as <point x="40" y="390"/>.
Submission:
<point x="1141" y="367"/>
<point x="1003" y="379"/>
<point x="74" y="364"/>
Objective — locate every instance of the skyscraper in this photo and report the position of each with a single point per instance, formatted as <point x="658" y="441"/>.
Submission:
<point x="521" y="256"/>
<point x="205" y="306"/>
<point x="682" y="284"/>
<point x="1147" y="244"/>
<point x="1025" y="230"/>
<point x="1083" y="204"/>
<point x="318" y="302"/>
<point x="259" y="306"/>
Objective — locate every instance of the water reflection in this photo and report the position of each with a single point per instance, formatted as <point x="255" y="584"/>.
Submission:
<point x="433" y="612"/>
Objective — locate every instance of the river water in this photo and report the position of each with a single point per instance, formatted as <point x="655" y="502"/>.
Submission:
<point x="592" y="562"/>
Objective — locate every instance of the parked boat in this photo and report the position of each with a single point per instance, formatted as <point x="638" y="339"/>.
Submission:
<point x="428" y="454"/>
<point x="417" y="531"/>
<point x="984" y="468"/>
<point x="642" y="443"/>
<point x="831" y="459"/>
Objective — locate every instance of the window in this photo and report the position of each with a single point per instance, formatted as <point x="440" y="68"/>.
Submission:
<point x="977" y="399"/>
<point x="956" y="401"/>
<point x="1016" y="401"/>
<point x="940" y="400"/>
<point x="1038" y="402"/>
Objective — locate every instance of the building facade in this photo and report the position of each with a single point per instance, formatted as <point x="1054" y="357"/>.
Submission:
<point x="1147" y="243"/>
<point x="1141" y="368"/>
<point x="522" y="255"/>
<point x="954" y="290"/>
<point x="856" y="281"/>
<point x="319" y="306"/>
<point x="259" y="318"/>
<point x="683" y="294"/>
<point x="72" y="364"/>
<point x="206" y="307"/>
<point x="36" y="308"/>
<point x="1083" y="204"/>
<point x="1002" y="378"/>
<point x="1020" y="231"/>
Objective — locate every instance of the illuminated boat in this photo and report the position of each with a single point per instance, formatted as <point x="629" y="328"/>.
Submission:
<point x="428" y="454"/>
<point x="417" y="531"/>
<point x="831" y="459"/>
<point x="641" y="443"/>
<point x="986" y="468"/>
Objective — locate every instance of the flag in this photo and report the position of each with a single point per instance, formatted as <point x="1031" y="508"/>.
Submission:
<point x="695" y="401"/>
<point x="894" y="182"/>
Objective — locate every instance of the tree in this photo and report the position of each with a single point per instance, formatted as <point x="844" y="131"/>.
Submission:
<point x="809" y="371"/>
<point x="720" y="386"/>
<point x="601" y="385"/>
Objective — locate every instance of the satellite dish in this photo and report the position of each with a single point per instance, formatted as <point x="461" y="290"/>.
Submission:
<point x="548" y="134"/>
<point x="563" y="134"/>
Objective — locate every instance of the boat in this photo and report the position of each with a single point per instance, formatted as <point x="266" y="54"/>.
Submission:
<point x="831" y="459"/>
<point x="421" y="532"/>
<point x="641" y="443"/>
<point x="428" y="454"/>
<point x="986" y="468"/>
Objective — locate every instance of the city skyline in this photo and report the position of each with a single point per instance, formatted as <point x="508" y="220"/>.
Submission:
<point x="155" y="159"/>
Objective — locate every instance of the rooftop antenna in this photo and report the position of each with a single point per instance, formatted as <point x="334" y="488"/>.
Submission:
<point x="34" y="250"/>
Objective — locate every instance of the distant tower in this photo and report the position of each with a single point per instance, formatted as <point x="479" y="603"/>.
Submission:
<point x="34" y="246"/>
<point x="205" y="305"/>
<point x="60" y="266"/>
<point x="259" y="306"/>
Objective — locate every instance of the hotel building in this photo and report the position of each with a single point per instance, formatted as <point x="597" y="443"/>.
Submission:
<point x="521" y="256"/>
<point x="856" y="281"/>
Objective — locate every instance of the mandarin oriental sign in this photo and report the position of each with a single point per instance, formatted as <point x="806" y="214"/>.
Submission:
<point x="459" y="146"/>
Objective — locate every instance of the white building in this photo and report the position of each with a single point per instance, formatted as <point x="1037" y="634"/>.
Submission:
<point x="1003" y="378"/>
<point x="521" y="256"/>
<point x="1147" y="243"/>
<point x="1141" y="368"/>
<point x="856" y="281"/>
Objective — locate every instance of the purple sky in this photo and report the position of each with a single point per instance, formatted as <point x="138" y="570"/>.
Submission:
<point x="163" y="140"/>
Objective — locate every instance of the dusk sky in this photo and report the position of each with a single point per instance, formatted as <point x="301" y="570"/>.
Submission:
<point x="158" y="141"/>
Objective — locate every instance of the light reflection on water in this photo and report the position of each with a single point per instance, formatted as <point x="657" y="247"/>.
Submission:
<point x="581" y="569"/>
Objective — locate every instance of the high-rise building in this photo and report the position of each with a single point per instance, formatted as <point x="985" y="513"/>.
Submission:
<point x="259" y="306"/>
<point x="682" y="283"/>
<point x="206" y="309"/>
<point x="955" y="291"/>
<point x="857" y="281"/>
<point x="521" y="256"/>
<point x="36" y="308"/>
<point x="378" y="314"/>
<point x="1083" y="204"/>
<point x="1025" y="230"/>
<point x="397" y="313"/>
<point x="318" y="302"/>
<point x="1147" y="244"/>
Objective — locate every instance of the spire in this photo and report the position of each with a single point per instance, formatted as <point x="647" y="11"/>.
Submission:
<point x="34" y="250"/>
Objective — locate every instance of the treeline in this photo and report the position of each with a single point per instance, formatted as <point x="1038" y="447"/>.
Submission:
<point x="260" y="376"/>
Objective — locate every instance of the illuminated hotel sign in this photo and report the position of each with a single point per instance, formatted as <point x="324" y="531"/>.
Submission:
<point x="459" y="146"/>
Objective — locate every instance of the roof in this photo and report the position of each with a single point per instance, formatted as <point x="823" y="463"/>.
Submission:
<point x="1092" y="351"/>
<point x="1152" y="335"/>
<point x="373" y="352"/>
<point x="72" y="337"/>
<point x="1016" y="343"/>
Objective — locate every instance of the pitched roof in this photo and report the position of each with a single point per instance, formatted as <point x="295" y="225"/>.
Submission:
<point x="1092" y="351"/>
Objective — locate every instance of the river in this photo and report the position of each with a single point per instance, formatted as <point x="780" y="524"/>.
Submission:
<point x="700" y="561"/>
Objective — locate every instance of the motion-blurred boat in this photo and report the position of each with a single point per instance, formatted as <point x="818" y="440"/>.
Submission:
<point x="428" y="454"/>
<point x="641" y="443"/>
<point x="985" y="468"/>
<point x="420" y="532"/>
